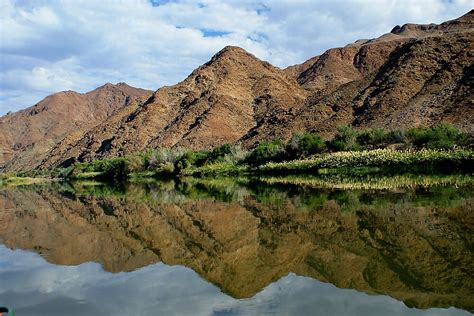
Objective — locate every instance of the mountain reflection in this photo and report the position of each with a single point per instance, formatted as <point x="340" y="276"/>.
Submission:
<point x="414" y="244"/>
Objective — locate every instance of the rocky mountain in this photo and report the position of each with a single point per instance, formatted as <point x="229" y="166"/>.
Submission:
<point x="29" y="133"/>
<point x="416" y="75"/>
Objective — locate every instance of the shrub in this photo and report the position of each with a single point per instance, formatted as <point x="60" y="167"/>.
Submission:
<point x="218" y="153"/>
<point x="266" y="151"/>
<point x="373" y="138"/>
<point x="191" y="158"/>
<point x="379" y="138"/>
<point x="305" y="144"/>
<point x="154" y="158"/>
<point x="114" y="169"/>
<point x="166" y="168"/>
<point x="227" y="153"/>
<point x="439" y="136"/>
<point x="345" y="139"/>
<point x="136" y="162"/>
<point x="237" y="155"/>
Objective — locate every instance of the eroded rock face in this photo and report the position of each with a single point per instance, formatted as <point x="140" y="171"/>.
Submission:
<point x="26" y="135"/>
<point x="419" y="254"/>
<point x="416" y="75"/>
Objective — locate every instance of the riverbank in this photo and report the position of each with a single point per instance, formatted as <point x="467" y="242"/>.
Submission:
<point x="440" y="149"/>
<point x="377" y="161"/>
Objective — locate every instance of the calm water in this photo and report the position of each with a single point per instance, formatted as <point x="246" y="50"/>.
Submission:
<point x="292" y="246"/>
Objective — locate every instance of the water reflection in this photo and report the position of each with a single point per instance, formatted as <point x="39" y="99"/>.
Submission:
<point x="245" y="237"/>
<point x="35" y="287"/>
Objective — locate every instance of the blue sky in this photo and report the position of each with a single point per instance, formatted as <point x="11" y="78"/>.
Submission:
<point x="50" y="46"/>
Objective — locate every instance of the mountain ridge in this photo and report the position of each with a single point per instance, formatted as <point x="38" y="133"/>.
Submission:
<point x="415" y="75"/>
<point x="31" y="132"/>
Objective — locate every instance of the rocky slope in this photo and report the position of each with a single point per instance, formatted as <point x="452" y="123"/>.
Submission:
<point x="421" y="254"/>
<point x="415" y="75"/>
<point x="29" y="133"/>
<point x="220" y="102"/>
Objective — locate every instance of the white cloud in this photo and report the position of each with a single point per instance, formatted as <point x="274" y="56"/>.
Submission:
<point x="48" y="46"/>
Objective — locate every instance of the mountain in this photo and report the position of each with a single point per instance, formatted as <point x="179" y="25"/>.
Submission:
<point x="29" y="133"/>
<point x="416" y="75"/>
<point x="220" y="102"/>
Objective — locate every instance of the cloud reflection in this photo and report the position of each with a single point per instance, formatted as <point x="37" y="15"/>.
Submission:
<point x="33" y="286"/>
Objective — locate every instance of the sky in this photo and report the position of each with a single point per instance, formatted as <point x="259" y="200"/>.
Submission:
<point x="48" y="46"/>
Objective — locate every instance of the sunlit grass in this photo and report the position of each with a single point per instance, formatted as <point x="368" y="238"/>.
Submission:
<point x="385" y="158"/>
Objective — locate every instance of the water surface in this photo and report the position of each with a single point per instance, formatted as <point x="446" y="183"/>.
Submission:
<point x="239" y="247"/>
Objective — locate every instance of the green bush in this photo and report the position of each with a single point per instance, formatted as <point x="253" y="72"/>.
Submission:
<point x="373" y="138"/>
<point x="439" y="136"/>
<point x="218" y="153"/>
<point x="345" y="139"/>
<point x="136" y="162"/>
<point x="266" y="151"/>
<point x="114" y="169"/>
<point x="379" y="138"/>
<point x="305" y="144"/>
<point x="166" y="168"/>
<point x="153" y="159"/>
<point x="191" y="158"/>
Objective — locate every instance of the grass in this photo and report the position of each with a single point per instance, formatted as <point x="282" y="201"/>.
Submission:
<point x="408" y="160"/>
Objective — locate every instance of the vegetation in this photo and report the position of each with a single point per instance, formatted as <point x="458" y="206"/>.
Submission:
<point x="114" y="170"/>
<point x="408" y="160"/>
<point x="441" y="148"/>
<point x="304" y="145"/>
<point x="441" y="136"/>
<point x="345" y="139"/>
<point x="216" y="169"/>
<point x="266" y="151"/>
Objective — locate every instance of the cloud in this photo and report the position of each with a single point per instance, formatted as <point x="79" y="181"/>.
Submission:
<point x="48" y="46"/>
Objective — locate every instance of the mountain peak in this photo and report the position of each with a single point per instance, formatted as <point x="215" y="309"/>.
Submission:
<point x="231" y="53"/>
<point x="108" y="85"/>
<point x="123" y="84"/>
<point x="232" y="49"/>
<point x="112" y="88"/>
